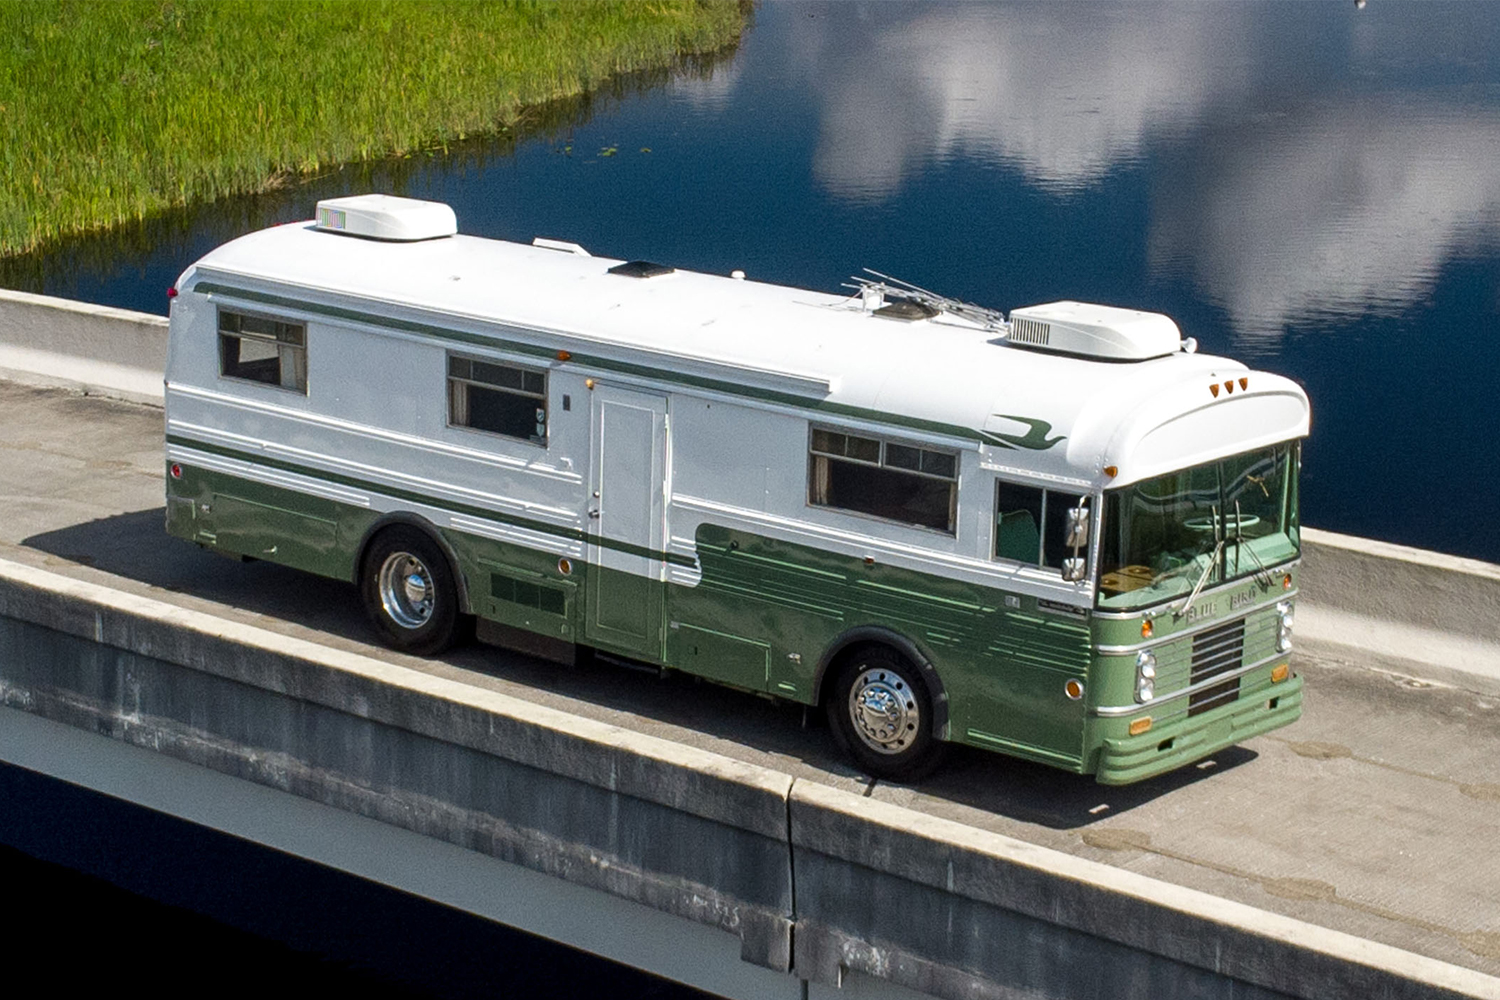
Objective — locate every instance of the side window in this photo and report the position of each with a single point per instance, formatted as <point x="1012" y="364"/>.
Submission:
<point x="498" y="398"/>
<point x="899" y="482"/>
<point x="1018" y="522"/>
<point x="1031" y="524"/>
<point x="259" y="349"/>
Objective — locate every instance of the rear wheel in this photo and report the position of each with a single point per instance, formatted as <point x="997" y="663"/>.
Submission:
<point x="409" y="591"/>
<point x="881" y="715"/>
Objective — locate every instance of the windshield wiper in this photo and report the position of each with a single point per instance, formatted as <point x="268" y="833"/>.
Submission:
<point x="1239" y="546"/>
<point x="1212" y="560"/>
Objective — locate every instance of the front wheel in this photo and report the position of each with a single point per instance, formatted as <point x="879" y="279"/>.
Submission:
<point x="409" y="592"/>
<point x="881" y="715"/>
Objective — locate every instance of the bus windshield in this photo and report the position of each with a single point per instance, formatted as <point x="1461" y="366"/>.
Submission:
<point x="1166" y="537"/>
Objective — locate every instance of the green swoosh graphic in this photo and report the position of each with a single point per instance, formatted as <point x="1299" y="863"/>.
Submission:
<point x="1035" y="439"/>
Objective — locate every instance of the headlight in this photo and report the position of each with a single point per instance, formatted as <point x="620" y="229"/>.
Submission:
<point x="1284" y="636"/>
<point x="1145" y="664"/>
<point x="1144" y="691"/>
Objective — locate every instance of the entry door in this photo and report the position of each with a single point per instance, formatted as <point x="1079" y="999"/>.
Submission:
<point x="627" y="508"/>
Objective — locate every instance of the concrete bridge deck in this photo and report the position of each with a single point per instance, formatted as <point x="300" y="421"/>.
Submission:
<point x="1375" y="816"/>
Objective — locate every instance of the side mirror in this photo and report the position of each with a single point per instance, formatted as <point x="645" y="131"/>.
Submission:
<point x="1076" y="528"/>
<point x="1073" y="569"/>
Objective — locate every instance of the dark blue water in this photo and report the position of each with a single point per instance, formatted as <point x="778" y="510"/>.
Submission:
<point x="1313" y="188"/>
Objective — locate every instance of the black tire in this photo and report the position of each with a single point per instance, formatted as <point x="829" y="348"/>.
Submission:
<point x="881" y="715"/>
<point x="409" y="591"/>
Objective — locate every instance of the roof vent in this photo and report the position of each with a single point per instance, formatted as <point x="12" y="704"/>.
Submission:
<point x="641" y="269"/>
<point x="1094" y="331"/>
<point x="386" y="217"/>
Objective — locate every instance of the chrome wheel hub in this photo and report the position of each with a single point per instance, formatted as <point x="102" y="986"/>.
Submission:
<point x="406" y="590"/>
<point x="884" y="711"/>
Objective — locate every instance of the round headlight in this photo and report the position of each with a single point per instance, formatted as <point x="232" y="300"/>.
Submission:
<point x="1145" y="663"/>
<point x="1284" y="641"/>
<point x="1144" y="690"/>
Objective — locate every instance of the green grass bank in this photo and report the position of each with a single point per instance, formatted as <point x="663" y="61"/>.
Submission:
<point x="111" y="111"/>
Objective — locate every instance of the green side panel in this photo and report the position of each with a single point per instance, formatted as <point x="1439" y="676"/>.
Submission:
<point x="1018" y="693"/>
<point x="626" y="613"/>
<point x="243" y="517"/>
<point x="721" y="657"/>
<point x="1003" y="667"/>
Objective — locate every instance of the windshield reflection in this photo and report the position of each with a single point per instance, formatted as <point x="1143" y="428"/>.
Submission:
<point x="1171" y="536"/>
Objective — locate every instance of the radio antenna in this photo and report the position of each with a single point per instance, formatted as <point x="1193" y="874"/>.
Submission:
<point x="887" y="286"/>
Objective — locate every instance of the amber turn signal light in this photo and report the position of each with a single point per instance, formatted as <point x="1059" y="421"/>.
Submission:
<point x="563" y="355"/>
<point x="1140" y="726"/>
<point x="1147" y="629"/>
<point x="1279" y="673"/>
<point x="1073" y="689"/>
<point x="1286" y="582"/>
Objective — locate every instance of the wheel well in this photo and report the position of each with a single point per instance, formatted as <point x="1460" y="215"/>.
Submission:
<point x="852" y="643"/>
<point x="425" y="527"/>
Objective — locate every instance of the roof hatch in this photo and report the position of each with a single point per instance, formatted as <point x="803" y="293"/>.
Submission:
<point x="386" y="217"/>
<point x="641" y="269"/>
<point x="1094" y="331"/>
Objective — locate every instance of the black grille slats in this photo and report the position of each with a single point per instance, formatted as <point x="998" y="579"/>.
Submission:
<point x="1216" y="651"/>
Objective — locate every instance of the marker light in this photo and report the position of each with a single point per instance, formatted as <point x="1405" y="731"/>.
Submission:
<point x="1147" y="629"/>
<point x="1229" y="386"/>
<point x="176" y="471"/>
<point x="1279" y="673"/>
<point x="565" y="566"/>
<point x="563" y="355"/>
<point x="1286" y="582"/>
<point x="1244" y="383"/>
<point x="588" y="383"/>
<point x="1073" y="689"/>
<point x="172" y="292"/>
<point x="1111" y="471"/>
<point x="1214" y="389"/>
<point x="1140" y="725"/>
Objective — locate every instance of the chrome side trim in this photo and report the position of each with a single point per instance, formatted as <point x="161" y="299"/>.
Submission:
<point x="1157" y="610"/>
<point x="1115" y="711"/>
<point x="1136" y="647"/>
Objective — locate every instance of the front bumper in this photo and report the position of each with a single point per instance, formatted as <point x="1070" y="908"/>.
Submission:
<point x="1186" y="739"/>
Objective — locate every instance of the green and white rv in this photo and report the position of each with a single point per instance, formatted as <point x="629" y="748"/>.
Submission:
<point x="1062" y="535"/>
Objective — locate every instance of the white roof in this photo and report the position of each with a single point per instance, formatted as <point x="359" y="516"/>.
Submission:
<point x="1056" y="416"/>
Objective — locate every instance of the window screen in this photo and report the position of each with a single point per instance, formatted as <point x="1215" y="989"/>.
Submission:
<point x="909" y="483"/>
<point x="259" y="349"/>
<point x="498" y="398"/>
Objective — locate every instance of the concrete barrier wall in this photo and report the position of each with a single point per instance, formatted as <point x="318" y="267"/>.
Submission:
<point x="112" y="352"/>
<point x="1402" y="609"/>
<point x="813" y="881"/>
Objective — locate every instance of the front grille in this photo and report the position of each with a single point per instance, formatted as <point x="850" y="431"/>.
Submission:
<point x="1217" y="651"/>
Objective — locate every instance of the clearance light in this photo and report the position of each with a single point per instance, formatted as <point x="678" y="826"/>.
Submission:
<point x="176" y="471"/>
<point x="588" y="383"/>
<point x="1073" y="689"/>
<point x="1286" y="582"/>
<point x="1140" y="726"/>
<point x="1244" y="383"/>
<point x="172" y="292"/>
<point x="565" y="566"/>
<point x="563" y="356"/>
<point x="1279" y="673"/>
<point x="1214" y="389"/>
<point x="1147" y="629"/>
<point x="1229" y="386"/>
<point x="1111" y="471"/>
